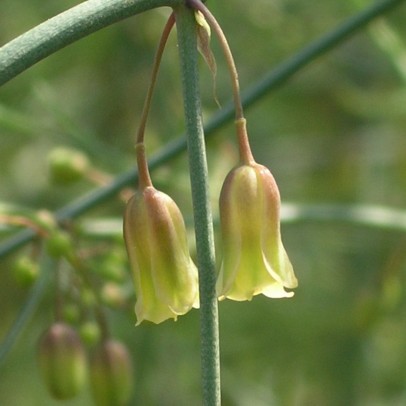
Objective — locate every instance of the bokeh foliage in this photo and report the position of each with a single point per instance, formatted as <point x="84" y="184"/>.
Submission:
<point x="335" y="133"/>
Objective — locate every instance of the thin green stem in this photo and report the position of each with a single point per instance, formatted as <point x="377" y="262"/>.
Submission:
<point x="379" y="217"/>
<point x="144" y="179"/>
<point x="209" y="332"/>
<point x="243" y="142"/>
<point x="155" y="67"/>
<point x="252" y="95"/>
<point x="285" y="70"/>
<point x="360" y="215"/>
<point x="66" y="28"/>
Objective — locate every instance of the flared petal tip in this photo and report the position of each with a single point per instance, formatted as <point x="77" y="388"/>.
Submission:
<point x="280" y="294"/>
<point x="273" y="292"/>
<point x="164" y="313"/>
<point x="155" y="320"/>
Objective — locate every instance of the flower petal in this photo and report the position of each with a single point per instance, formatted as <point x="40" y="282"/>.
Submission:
<point x="165" y="277"/>
<point x="254" y="259"/>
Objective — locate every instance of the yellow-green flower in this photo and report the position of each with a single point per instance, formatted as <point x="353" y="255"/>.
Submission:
<point x="165" y="277"/>
<point x="254" y="259"/>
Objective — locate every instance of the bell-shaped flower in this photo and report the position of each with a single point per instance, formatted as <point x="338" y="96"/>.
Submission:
<point x="165" y="277"/>
<point x="254" y="259"/>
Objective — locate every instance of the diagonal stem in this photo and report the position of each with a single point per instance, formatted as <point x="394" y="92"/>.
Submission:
<point x="66" y="28"/>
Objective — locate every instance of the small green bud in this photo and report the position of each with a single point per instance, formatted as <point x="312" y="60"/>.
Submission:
<point x="88" y="297"/>
<point x="25" y="271"/>
<point x="67" y="165"/>
<point x="59" y="244"/>
<point x="90" y="332"/>
<point x="71" y="313"/>
<point x="62" y="361"/>
<point x="111" y="374"/>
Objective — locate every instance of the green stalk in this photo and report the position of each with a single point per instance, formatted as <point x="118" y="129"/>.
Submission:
<point x="210" y="353"/>
<point x="65" y="28"/>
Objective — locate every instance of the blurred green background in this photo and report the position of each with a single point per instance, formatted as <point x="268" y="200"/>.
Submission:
<point x="334" y="134"/>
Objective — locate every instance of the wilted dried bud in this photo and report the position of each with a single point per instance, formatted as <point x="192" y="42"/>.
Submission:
<point x="254" y="259"/>
<point x="62" y="361"/>
<point x="111" y="374"/>
<point x="165" y="277"/>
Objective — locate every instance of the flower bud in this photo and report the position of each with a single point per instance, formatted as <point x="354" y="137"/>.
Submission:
<point x="90" y="332"/>
<point x="254" y="259"/>
<point x="25" y="271"/>
<point x="59" y="244"/>
<point x="111" y="374"/>
<point x="62" y="361"/>
<point x="67" y="165"/>
<point x="165" y="277"/>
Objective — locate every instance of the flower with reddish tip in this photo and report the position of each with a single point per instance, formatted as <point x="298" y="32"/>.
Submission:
<point x="62" y="361"/>
<point x="165" y="277"/>
<point x="111" y="374"/>
<point x="254" y="259"/>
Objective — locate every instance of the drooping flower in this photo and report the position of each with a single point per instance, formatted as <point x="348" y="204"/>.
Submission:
<point x="165" y="277"/>
<point x="111" y="374"/>
<point x="62" y="361"/>
<point x="254" y="259"/>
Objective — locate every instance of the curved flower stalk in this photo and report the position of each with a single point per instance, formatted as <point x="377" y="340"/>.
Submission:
<point x="165" y="277"/>
<point x="254" y="259"/>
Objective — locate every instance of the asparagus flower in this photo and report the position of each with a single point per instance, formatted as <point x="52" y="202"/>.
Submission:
<point x="165" y="277"/>
<point x="254" y="259"/>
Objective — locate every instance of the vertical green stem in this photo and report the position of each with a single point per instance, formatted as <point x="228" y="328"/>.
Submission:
<point x="210" y="354"/>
